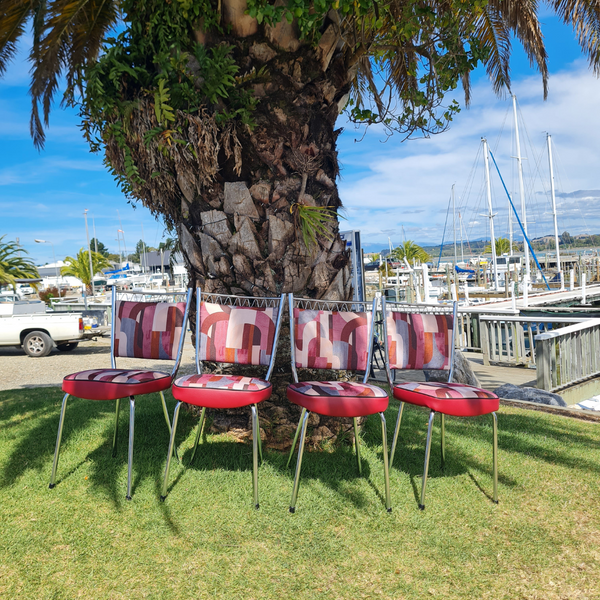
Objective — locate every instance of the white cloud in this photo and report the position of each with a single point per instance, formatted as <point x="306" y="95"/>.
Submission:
<point x="387" y="185"/>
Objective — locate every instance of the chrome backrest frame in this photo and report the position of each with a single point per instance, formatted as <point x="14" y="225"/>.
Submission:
<point x="240" y="302"/>
<point x="432" y="309"/>
<point x="348" y="306"/>
<point x="144" y="296"/>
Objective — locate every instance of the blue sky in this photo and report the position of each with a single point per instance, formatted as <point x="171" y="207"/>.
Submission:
<point x="388" y="189"/>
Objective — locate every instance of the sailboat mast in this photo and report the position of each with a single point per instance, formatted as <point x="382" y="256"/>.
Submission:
<point x="510" y="228"/>
<point x="522" y="191"/>
<point x="558" y="265"/>
<point x="486" y="157"/>
<point x="454" y="224"/>
<point x="462" y="249"/>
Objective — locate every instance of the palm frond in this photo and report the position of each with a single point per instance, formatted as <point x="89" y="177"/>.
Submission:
<point x="584" y="17"/>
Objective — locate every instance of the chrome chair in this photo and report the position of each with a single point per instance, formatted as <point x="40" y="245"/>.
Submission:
<point x="334" y="335"/>
<point x="425" y="338"/>
<point x="141" y="329"/>
<point x="235" y="330"/>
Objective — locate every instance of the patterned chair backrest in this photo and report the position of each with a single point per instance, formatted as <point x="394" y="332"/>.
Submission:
<point x="419" y="341"/>
<point x="331" y="340"/>
<point x="148" y="329"/>
<point x="236" y="334"/>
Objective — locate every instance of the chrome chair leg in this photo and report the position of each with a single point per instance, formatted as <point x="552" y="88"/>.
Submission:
<point x="255" y="437"/>
<point x="302" y="414"/>
<point x="58" y="438"/>
<point x="443" y="444"/>
<point x="299" y="462"/>
<point x="117" y="410"/>
<point x="170" y="454"/>
<point x="259" y="440"/>
<point x="357" y="445"/>
<point x="427" y="451"/>
<point x="198" y="433"/>
<point x="130" y="453"/>
<point x="398" y="421"/>
<point x="165" y="411"/>
<point x="495" y="422"/>
<point x="386" y="470"/>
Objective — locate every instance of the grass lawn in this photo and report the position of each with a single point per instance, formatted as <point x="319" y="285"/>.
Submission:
<point x="84" y="539"/>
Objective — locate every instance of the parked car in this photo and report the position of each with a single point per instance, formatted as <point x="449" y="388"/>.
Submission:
<point x="27" y="325"/>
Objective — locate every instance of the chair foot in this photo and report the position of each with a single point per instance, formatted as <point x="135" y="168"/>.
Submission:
<point x="53" y="485"/>
<point x="421" y="507"/>
<point x="127" y="497"/>
<point x="292" y="509"/>
<point x="495" y="501"/>
<point x="163" y="498"/>
<point x="389" y="510"/>
<point x="257" y="506"/>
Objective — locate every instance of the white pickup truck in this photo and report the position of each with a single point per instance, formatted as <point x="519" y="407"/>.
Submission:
<point x="28" y="325"/>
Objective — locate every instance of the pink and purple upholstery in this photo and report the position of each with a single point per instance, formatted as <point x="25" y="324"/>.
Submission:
<point x="424" y="341"/>
<point x="419" y="341"/>
<point x="110" y="384"/>
<point x="338" y="398"/>
<point x="221" y="391"/>
<point x="148" y="329"/>
<point x="331" y="339"/>
<point x="334" y="340"/>
<point x="233" y="334"/>
<point x="456" y="399"/>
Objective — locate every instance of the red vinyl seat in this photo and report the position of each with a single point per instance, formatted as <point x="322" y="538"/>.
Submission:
<point x="140" y="329"/>
<point x="426" y="340"/>
<point x="234" y="330"/>
<point x="339" y="336"/>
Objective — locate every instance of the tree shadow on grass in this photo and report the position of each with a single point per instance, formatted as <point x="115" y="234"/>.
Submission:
<point x="151" y="438"/>
<point x="552" y="439"/>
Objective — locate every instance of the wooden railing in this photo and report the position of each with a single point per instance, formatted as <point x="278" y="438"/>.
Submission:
<point x="511" y="339"/>
<point x="569" y="355"/>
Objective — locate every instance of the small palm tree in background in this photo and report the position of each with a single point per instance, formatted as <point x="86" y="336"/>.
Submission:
<point x="411" y="251"/>
<point x="502" y="247"/>
<point x="80" y="267"/>
<point x="13" y="266"/>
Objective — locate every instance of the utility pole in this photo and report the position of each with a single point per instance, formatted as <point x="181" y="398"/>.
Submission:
<point x="87" y="235"/>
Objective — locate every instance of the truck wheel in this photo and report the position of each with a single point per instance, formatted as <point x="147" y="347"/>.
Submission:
<point x="37" y="344"/>
<point x="67" y="347"/>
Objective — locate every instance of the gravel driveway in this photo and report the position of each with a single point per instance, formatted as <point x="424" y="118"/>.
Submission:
<point x="17" y="370"/>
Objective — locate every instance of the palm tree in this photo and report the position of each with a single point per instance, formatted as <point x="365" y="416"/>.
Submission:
<point x="80" y="267"/>
<point x="502" y="247"/>
<point x="220" y="117"/>
<point x="411" y="251"/>
<point x="13" y="266"/>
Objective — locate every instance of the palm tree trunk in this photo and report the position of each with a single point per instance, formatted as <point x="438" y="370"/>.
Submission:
<point x="235" y="193"/>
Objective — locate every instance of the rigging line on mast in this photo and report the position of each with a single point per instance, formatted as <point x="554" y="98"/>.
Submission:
<point x="444" y="234"/>
<point x="499" y="136"/>
<point x="520" y="224"/>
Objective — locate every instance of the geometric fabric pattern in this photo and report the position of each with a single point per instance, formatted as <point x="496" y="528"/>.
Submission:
<point x="233" y="334"/>
<point x="337" y="388"/>
<point x="223" y="382"/>
<point x="331" y="339"/>
<point x="419" y="341"/>
<point x="445" y="390"/>
<point x="116" y="376"/>
<point x="148" y="329"/>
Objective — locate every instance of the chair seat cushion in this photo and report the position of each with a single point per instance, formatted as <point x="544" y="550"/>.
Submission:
<point x="338" y="398"/>
<point x="221" y="391"/>
<point x="456" y="399"/>
<point x="110" y="384"/>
